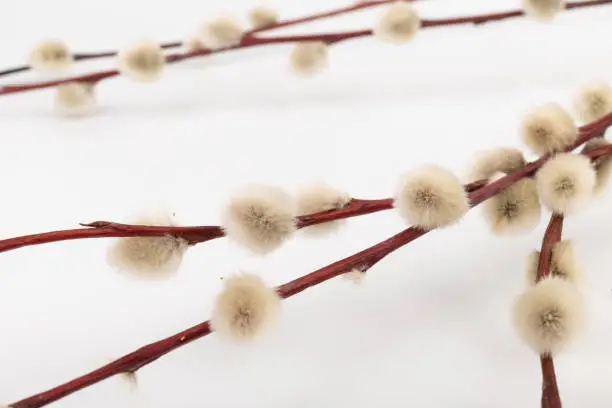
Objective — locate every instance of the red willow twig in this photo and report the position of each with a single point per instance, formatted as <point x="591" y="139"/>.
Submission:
<point x="177" y="44"/>
<point x="195" y="235"/>
<point x="357" y="207"/>
<point x="363" y="260"/>
<point x="550" y="390"/>
<point x="254" y="41"/>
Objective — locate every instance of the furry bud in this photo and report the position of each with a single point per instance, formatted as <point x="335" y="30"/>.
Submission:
<point x="50" y="55"/>
<point x="149" y="257"/>
<point x="543" y="10"/>
<point x="262" y="17"/>
<point x="549" y="315"/>
<point x="142" y="62"/>
<point x="563" y="264"/>
<point x="398" y="24"/>
<point x="602" y="165"/>
<point x="593" y="102"/>
<point x="223" y="32"/>
<point x="431" y="197"/>
<point x="318" y="198"/>
<point x="502" y="159"/>
<point x="355" y="275"/>
<point x="548" y="129"/>
<point x="309" y="58"/>
<point x="75" y="98"/>
<point x="260" y="218"/>
<point x="515" y="209"/>
<point x="245" y="309"/>
<point x="193" y="43"/>
<point x="566" y="182"/>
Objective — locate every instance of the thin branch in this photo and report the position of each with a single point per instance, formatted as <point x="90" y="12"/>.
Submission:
<point x="176" y="44"/>
<point x="550" y="390"/>
<point x="479" y="191"/>
<point x="193" y="235"/>
<point x="364" y="260"/>
<point x="249" y="41"/>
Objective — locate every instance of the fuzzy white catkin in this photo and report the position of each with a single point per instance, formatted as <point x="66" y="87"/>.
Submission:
<point x="148" y="257"/>
<point x="50" y="55"/>
<point x="142" y="62"/>
<point x="398" y="24"/>
<point x="502" y="159"/>
<point x="602" y="165"/>
<point x="220" y="33"/>
<point x="563" y="264"/>
<point x="193" y="43"/>
<point x="309" y="58"/>
<point x="549" y="315"/>
<point x="548" y="128"/>
<point x="260" y="218"/>
<point x="75" y="98"/>
<point x="262" y="17"/>
<point x="245" y="308"/>
<point x="593" y="102"/>
<point x="318" y="198"/>
<point x="356" y="276"/>
<point x="566" y="182"/>
<point x="543" y="10"/>
<point x="431" y="197"/>
<point x="515" y="209"/>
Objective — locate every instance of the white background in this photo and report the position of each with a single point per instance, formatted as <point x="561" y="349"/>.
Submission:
<point x="431" y="325"/>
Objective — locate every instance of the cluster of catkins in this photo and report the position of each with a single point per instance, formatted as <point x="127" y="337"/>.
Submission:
<point x="262" y="218"/>
<point x="145" y="61"/>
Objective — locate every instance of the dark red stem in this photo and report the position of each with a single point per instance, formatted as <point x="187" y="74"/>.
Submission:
<point x="250" y="40"/>
<point x="550" y="390"/>
<point x="194" y="235"/>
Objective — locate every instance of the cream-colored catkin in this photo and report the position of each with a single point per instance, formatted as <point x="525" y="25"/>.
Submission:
<point x="263" y="17"/>
<point x="356" y="276"/>
<point x="593" y="102"/>
<point x="193" y="43"/>
<point x="260" y="218"/>
<point x="50" y="55"/>
<point x="543" y="10"/>
<point x="566" y="182"/>
<point x="515" y="209"/>
<point x="75" y="98"/>
<point x="143" y="61"/>
<point x="309" y="58"/>
<point x="222" y="32"/>
<point x="548" y="128"/>
<point x="398" y="24"/>
<point x="245" y="308"/>
<point x="431" y="197"/>
<point x="501" y="159"/>
<point x="317" y="198"/>
<point x="563" y="264"/>
<point x="602" y="164"/>
<point x="549" y="315"/>
<point x="152" y="258"/>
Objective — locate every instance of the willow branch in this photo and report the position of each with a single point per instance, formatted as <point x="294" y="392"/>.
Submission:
<point x="197" y="234"/>
<point x="193" y="235"/>
<point x="550" y="390"/>
<point x="249" y="41"/>
<point x="176" y="44"/>
<point x="479" y="191"/>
